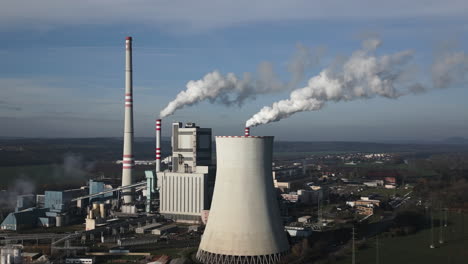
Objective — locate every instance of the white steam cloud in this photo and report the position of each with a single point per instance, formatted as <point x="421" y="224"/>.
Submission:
<point x="231" y="90"/>
<point x="364" y="75"/>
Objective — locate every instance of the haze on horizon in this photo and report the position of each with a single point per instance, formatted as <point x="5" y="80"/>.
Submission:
<point x="62" y="75"/>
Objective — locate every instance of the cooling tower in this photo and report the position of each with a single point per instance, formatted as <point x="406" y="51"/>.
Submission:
<point x="244" y="225"/>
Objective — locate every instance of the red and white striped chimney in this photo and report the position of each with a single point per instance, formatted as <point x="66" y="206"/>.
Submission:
<point x="247" y="131"/>
<point x="158" y="145"/>
<point x="128" y="161"/>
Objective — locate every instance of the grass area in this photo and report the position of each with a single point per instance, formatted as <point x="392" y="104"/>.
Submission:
<point x="415" y="248"/>
<point x="308" y="153"/>
<point x="385" y="192"/>
<point x="404" y="169"/>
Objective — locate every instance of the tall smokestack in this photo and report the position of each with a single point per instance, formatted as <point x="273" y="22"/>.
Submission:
<point x="128" y="159"/>
<point x="158" y="145"/>
<point x="247" y="131"/>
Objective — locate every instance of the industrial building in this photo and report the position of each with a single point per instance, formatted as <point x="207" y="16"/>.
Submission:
<point x="185" y="189"/>
<point x="61" y="201"/>
<point x="147" y="228"/>
<point x="11" y="254"/>
<point x="57" y="209"/>
<point x="24" y="219"/>
<point x="244" y="225"/>
<point x="163" y="230"/>
<point x="97" y="187"/>
<point x="80" y="260"/>
<point x="25" y="201"/>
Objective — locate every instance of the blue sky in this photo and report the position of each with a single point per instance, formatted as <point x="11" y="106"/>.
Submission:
<point x="62" y="64"/>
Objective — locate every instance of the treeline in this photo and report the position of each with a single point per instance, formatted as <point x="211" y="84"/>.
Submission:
<point x="449" y="188"/>
<point x="21" y="152"/>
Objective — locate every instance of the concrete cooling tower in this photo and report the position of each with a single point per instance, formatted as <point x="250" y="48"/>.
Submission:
<point x="244" y="225"/>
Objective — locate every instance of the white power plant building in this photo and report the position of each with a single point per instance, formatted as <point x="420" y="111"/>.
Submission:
<point x="244" y="225"/>
<point x="185" y="189"/>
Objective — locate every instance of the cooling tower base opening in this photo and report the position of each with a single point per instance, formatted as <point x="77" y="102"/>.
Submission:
<point x="211" y="258"/>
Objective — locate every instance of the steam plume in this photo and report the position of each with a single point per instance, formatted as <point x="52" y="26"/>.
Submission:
<point x="20" y="186"/>
<point x="73" y="167"/>
<point x="231" y="90"/>
<point x="450" y="68"/>
<point x="362" y="76"/>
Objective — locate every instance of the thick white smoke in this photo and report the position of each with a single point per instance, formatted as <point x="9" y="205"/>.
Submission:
<point x="231" y="90"/>
<point x="363" y="75"/>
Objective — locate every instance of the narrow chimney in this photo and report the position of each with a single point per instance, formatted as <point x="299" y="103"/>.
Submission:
<point x="158" y="145"/>
<point x="247" y="131"/>
<point x="128" y="161"/>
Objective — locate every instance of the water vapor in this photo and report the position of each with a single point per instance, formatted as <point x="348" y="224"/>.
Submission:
<point x="73" y="167"/>
<point x="449" y="69"/>
<point x="232" y="90"/>
<point x="20" y="186"/>
<point x="365" y="75"/>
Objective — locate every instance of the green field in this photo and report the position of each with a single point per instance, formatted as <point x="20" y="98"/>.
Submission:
<point x="385" y="192"/>
<point x="404" y="169"/>
<point x="415" y="248"/>
<point x="308" y="153"/>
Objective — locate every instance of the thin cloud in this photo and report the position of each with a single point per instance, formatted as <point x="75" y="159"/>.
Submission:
<point x="6" y="106"/>
<point x="185" y="15"/>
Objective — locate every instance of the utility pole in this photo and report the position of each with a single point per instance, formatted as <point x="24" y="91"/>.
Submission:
<point x="432" y="230"/>
<point x="319" y="212"/>
<point x="353" y="248"/>
<point x="377" y="258"/>
<point x="447" y="232"/>
<point x="441" y="231"/>
<point x="446" y="217"/>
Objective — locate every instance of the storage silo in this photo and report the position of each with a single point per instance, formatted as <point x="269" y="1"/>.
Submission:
<point x="244" y="225"/>
<point x="59" y="220"/>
